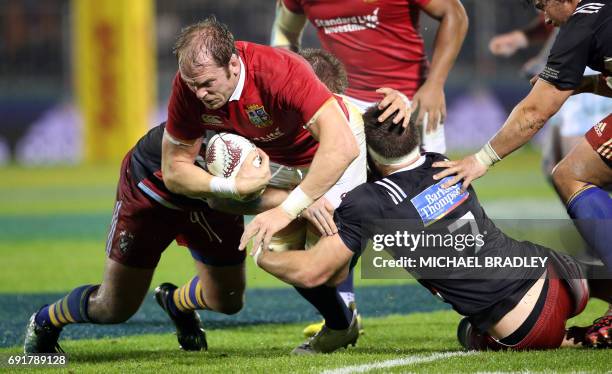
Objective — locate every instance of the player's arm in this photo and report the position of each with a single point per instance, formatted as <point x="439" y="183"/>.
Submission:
<point x="337" y="149"/>
<point x="449" y="38"/>
<point x="182" y="176"/>
<point x="325" y="263"/>
<point x="525" y="120"/>
<point x="287" y="28"/>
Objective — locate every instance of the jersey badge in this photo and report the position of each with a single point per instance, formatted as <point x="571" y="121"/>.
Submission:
<point x="258" y="116"/>
<point x="436" y="202"/>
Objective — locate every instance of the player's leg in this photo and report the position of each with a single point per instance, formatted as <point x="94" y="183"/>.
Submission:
<point x="578" y="179"/>
<point x="340" y="328"/>
<point x="213" y="239"/>
<point x="133" y="253"/>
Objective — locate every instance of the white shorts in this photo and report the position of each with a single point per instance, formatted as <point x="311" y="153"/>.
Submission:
<point x="433" y="142"/>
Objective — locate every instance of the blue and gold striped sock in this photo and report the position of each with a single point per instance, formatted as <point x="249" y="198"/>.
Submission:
<point x="72" y="308"/>
<point x="188" y="297"/>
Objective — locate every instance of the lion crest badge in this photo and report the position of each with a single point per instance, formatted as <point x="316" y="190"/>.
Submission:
<point x="258" y="115"/>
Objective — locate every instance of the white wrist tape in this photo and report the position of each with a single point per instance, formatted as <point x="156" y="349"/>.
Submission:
<point x="224" y="187"/>
<point x="257" y="254"/>
<point x="296" y="202"/>
<point x="487" y="155"/>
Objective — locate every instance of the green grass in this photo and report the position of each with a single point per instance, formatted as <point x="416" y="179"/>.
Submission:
<point x="265" y="348"/>
<point x="38" y="257"/>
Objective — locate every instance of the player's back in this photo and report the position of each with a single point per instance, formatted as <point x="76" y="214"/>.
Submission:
<point x="448" y="234"/>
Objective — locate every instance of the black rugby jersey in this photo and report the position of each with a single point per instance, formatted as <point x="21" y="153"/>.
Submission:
<point x="413" y="200"/>
<point x="145" y="168"/>
<point x="585" y="40"/>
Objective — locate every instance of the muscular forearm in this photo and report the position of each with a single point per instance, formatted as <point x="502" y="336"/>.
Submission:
<point x="449" y="38"/>
<point x="528" y="117"/>
<point x="271" y="198"/>
<point x="187" y="179"/>
<point x="337" y="149"/>
<point x="522" y="124"/>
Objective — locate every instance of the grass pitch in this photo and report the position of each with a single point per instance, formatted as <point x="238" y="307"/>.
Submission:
<point x="53" y="224"/>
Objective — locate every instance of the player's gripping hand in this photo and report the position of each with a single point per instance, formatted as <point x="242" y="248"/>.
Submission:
<point x="431" y="102"/>
<point x="321" y="215"/>
<point x="252" y="179"/>
<point x="467" y="170"/>
<point x="263" y="227"/>
<point x="394" y="101"/>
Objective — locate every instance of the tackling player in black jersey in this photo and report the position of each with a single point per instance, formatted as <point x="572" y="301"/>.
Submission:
<point x="584" y="39"/>
<point x="518" y="308"/>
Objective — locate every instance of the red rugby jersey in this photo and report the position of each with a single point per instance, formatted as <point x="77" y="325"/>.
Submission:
<point x="281" y="94"/>
<point x="377" y="40"/>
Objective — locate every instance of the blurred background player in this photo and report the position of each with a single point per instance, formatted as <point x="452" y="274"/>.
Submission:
<point x="524" y="307"/>
<point x="146" y="219"/>
<point x="380" y="45"/>
<point x="584" y="39"/>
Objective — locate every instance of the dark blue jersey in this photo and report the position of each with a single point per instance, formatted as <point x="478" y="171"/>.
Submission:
<point x="585" y="40"/>
<point x="145" y="168"/>
<point x="413" y="201"/>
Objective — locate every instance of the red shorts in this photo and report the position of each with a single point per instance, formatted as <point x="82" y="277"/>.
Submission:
<point x="549" y="329"/>
<point x="600" y="138"/>
<point x="141" y="229"/>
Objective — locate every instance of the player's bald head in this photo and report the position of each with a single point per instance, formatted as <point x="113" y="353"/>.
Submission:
<point x="203" y="43"/>
<point x="388" y="139"/>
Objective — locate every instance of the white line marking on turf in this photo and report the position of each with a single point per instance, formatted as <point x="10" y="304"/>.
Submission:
<point x="410" y="360"/>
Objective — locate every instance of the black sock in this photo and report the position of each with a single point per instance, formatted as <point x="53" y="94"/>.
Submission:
<point x="328" y="302"/>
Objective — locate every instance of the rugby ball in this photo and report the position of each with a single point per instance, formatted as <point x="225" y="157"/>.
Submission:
<point x="226" y="152"/>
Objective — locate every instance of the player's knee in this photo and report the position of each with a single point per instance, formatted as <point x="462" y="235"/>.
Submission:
<point x="561" y="174"/>
<point x="229" y="306"/>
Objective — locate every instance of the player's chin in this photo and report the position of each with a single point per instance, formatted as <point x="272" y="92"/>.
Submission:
<point x="213" y="105"/>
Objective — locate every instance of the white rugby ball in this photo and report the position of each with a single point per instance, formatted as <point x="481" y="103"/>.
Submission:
<point x="226" y="152"/>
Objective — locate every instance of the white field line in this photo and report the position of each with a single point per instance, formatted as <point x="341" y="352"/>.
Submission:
<point x="410" y="360"/>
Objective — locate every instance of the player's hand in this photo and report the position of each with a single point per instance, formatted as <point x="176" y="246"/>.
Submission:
<point x="394" y="101"/>
<point x="467" y="170"/>
<point x="321" y="215"/>
<point x="252" y="179"/>
<point x="507" y="44"/>
<point x="431" y="102"/>
<point x="263" y="227"/>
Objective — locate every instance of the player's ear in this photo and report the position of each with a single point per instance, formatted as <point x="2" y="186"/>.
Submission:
<point x="234" y="64"/>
